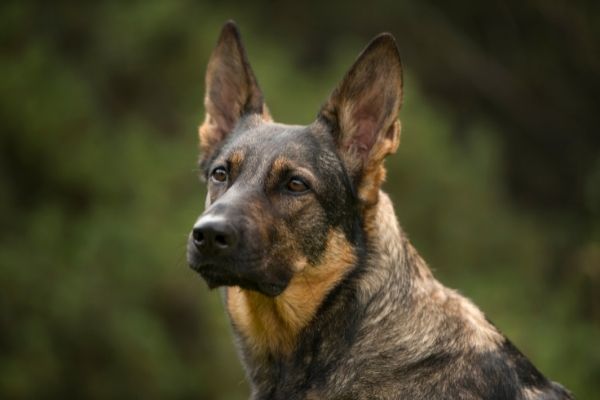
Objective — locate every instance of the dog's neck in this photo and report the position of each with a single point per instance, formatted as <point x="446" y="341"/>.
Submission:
<point x="400" y="282"/>
<point x="391" y="258"/>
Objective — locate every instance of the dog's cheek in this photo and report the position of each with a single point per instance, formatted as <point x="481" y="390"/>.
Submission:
<point x="310" y="229"/>
<point x="298" y="233"/>
<point x="283" y="249"/>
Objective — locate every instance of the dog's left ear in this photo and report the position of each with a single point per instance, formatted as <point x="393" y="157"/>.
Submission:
<point x="231" y="90"/>
<point x="362" y="114"/>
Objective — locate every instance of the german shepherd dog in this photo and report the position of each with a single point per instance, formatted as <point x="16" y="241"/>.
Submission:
<point x="326" y="296"/>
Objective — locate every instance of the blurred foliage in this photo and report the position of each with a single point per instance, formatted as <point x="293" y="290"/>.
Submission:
<point x="99" y="106"/>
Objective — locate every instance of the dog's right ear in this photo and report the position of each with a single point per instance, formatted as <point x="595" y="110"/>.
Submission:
<point x="231" y="91"/>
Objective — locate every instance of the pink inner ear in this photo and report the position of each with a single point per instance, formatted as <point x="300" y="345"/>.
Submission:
<point x="365" y="135"/>
<point x="366" y="118"/>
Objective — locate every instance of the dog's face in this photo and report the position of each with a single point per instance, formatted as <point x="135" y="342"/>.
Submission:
<point x="274" y="194"/>
<point x="277" y="193"/>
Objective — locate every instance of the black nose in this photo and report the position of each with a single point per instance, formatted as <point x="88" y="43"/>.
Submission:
<point x="214" y="236"/>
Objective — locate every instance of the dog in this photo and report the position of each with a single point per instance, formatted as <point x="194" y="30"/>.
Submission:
<point x="327" y="297"/>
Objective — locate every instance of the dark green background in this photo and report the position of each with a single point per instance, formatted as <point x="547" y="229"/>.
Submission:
<point x="497" y="179"/>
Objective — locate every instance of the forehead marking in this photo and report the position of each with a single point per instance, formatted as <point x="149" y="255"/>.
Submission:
<point x="236" y="158"/>
<point x="280" y="164"/>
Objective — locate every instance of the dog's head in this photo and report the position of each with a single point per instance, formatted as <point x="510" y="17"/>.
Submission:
<point x="282" y="198"/>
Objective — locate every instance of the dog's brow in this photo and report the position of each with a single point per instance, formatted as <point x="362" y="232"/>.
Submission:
<point x="284" y="164"/>
<point x="236" y="158"/>
<point x="279" y="165"/>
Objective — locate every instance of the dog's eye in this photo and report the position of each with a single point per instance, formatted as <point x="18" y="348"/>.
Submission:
<point x="296" y="185"/>
<point x="219" y="175"/>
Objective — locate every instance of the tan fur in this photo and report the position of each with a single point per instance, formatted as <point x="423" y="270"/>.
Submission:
<point x="272" y="324"/>
<point x="279" y="165"/>
<point x="374" y="173"/>
<point x="236" y="159"/>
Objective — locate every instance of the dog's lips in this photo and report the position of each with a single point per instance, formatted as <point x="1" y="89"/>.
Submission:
<point x="271" y="289"/>
<point x="215" y="276"/>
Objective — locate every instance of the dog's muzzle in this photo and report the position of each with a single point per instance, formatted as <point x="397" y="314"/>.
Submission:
<point x="215" y="252"/>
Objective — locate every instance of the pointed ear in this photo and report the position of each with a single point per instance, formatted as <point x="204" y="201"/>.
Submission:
<point x="231" y="90"/>
<point x="362" y="113"/>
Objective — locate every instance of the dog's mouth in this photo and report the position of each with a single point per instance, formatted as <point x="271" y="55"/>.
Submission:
<point x="216" y="276"/>
<point x="245" y="269"/>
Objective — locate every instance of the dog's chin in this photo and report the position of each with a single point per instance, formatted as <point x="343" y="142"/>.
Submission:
<point x="215" y="279"/>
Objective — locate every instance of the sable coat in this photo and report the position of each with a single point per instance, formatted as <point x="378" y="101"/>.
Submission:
<point x="326" y="295"/>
